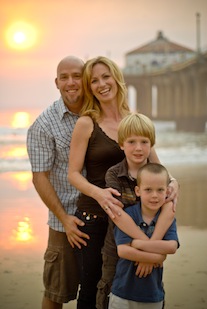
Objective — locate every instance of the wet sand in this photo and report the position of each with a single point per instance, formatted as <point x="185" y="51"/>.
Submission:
<point x="23" y="236"/>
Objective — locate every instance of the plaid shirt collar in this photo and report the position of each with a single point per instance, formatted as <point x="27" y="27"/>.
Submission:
<point x="63" y="109"/>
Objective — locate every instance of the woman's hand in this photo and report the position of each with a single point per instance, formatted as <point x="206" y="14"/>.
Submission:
<point x="108" y="202"/>
<point x="173" y="189"/>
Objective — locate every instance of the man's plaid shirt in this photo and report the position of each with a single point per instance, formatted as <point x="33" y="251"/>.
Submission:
<point x="48" y="142"/>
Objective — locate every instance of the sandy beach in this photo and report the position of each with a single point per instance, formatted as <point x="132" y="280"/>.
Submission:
<point x="23" y="239"/>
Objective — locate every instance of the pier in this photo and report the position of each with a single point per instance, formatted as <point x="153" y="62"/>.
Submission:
<point x="176" y="93"/>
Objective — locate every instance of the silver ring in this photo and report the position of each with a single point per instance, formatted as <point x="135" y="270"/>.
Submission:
<point x="106" y="208"/>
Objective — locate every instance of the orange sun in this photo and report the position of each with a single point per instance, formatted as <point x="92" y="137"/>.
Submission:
<point x="21" y="35"/>
<point x="21" y="120"/>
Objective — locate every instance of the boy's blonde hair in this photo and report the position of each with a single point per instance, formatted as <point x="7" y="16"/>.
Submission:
<point x="136" y="124"/>
<point x="91" y="106"/>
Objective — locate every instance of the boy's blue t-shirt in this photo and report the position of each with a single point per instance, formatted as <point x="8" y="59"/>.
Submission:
<point x="126" y="284"/>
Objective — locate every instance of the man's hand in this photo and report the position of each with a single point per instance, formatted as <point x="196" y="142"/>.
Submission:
<point x="75" y="236"/>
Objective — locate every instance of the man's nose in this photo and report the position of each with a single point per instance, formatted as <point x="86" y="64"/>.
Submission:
<point x="70" y="80"/>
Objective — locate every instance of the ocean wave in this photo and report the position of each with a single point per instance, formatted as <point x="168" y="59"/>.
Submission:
<point x="14" y="165"/>
<point x="172" y="147"/>
<point x="11" y="136"/>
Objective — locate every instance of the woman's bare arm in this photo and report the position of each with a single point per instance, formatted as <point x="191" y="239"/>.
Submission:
<point x="78" y="148"/>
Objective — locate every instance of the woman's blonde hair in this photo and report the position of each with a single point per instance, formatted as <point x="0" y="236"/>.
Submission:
<point x="136" y="124"/>
<point x="91" y="105"/>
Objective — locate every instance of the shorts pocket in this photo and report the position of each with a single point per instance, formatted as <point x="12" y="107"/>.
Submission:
<point x="51" y="276"/>
<point x="50" y="256"/>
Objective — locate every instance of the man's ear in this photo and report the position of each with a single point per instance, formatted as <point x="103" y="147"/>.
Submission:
<point x="137" y="191"/>
<point x="56" y="83"/>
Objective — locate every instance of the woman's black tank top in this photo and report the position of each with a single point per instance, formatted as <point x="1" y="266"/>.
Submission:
<point x="102" y="153"/>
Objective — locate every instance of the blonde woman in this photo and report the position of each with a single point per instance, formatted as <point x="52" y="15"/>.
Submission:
<point x="95" y="145"/>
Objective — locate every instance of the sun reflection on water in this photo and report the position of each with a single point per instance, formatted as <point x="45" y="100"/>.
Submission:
<point x="23" y="227"/>
<point x="23" y="180"/>
<point x="24" y="232"/>
<point x="16" y="152"/>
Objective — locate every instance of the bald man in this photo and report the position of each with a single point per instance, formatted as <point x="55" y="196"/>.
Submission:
<point x="48" y="142"/>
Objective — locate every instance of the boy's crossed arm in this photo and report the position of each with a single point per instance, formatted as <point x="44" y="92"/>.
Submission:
<point x="145" y="260"/>
<point x="147" y="254"/>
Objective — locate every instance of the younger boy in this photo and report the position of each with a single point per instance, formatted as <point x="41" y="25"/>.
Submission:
<point x="129" y="290"/>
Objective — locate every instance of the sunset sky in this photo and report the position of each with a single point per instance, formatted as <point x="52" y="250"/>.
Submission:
<point x="37" y="34"/>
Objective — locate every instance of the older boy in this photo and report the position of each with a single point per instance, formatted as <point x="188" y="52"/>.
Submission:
<point x="136" y="136"/>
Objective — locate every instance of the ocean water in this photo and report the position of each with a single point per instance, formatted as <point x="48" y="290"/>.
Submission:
<point x="13" y="153"/>
<point x="172" y="147"/>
